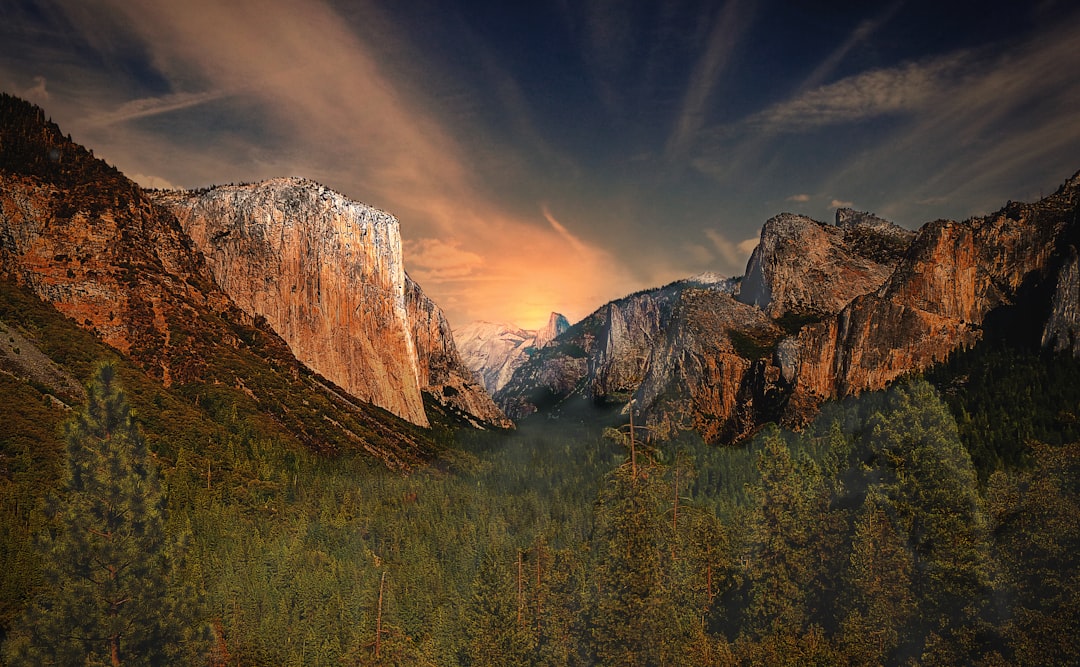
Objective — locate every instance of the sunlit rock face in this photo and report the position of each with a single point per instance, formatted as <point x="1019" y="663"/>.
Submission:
<point x="802" y="267"/>
<point x="84" y="238"/>
<point x="824" y="311"/>
<point x="327" y="274"/>
<point x="952" y="277"/>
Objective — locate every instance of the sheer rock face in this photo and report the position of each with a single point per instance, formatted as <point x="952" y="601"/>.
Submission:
<point x="327" y="275"/>
<point x="823" y="312"/>
<point x="605" y="357"/>
<point x="803" y="267"/>
<point x="494" y="351"/>
<point x="698" y="376"/>
<point x="1062" y="331"/>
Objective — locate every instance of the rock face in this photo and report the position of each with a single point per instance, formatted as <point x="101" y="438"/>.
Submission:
<point x="85" y="239"/>
<point x="494" y="351"/>
<point x="327" y="275"/>
<point x="952" y="277"/>
<point x="605" y="357"/>
<point x="824" y="311"/>
<point x="1062" y="331"/>
<point x="80" y="236"/>
<point x="805" y="268"/>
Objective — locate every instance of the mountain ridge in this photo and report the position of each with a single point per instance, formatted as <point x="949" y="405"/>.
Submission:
<point x="841" y="309"/>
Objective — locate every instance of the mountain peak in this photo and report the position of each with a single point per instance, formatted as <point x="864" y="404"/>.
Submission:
<point x="556" y="325"/>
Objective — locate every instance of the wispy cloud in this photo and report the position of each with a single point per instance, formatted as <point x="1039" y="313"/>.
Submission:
<point x="728" y="28"/>
<point x="910" y="88"/>
<point x="800" y="198"/>
<point x="864" y="31"/>
<point x="153" y="106"/>
<point x="839" y="203"/>
<point x="574" y="242"/>
<point x="302" y="94"/>
<point x="734" y="254"/>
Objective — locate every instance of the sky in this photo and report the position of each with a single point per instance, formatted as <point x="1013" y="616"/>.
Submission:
<point x="552" y="156"/>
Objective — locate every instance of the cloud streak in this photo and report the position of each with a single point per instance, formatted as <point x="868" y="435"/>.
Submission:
<point x="730" y="24"/>
<point x="299" y="77"/>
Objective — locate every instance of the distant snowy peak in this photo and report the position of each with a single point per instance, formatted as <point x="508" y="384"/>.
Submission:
<point x="493" y="351"/>
<point x="713" y="280"/>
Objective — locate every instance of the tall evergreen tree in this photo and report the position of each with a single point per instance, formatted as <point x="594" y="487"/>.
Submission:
<point x="111" y="570"/>
<point x="634" y="621"/>
<point x="881" y="603"/>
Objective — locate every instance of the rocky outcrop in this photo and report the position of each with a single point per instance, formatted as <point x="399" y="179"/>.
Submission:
<point x="494" y="351"/>
<point x="605" y="357"/>
<point x="556" y="326"/>
<point x="327" y="275"/>
<point x="1062" y="330"/>
<point x="824" y="311"/>
<point x="805" y="268"/>
<point x="952" y="277"/>
<point x="77" y="234"/>
<point x="701" y="376"/>
<point x="443" y="374"/>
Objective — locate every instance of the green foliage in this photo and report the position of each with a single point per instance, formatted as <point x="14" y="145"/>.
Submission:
<point x="1005" y="397"/>
<point x="751" y="347"/>
<point x="861" y="540"/>
<point x="114" y="593"/>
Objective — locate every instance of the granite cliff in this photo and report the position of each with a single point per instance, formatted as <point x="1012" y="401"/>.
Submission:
<point x="605" y="357"/>
<point x="327" y="275"/>
<point x="78" y="235"/>
<point x="823" y="311"/>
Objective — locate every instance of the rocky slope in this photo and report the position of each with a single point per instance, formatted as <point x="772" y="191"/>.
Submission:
<point x="85" y="239"/>
<point x="824" y="311"/>
<point x="327" y="275"/>
<point x="494" y="351"/>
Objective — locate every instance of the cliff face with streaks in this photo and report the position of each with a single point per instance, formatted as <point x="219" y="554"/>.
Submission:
<point x="79" y="236"/>
<point x="605" y="357"/>
<point x="327" y="275"/>
<point x="952" y="277"/>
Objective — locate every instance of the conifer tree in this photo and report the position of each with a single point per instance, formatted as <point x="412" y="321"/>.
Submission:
<point x="878" y="584"/>
<point x="634" y="621"/>
<point x="497" y="634"/>
<point x="112" y="594"/>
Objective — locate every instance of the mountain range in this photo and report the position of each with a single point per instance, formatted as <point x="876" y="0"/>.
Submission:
<point x="494" y="351"/>
<point x="823" y="311"/>
<point x="297" y="298"/>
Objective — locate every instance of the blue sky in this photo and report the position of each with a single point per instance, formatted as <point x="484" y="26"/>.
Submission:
<point x="554" y="155"/>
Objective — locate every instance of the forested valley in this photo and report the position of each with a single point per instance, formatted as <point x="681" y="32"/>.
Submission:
<point x="937" y="522"/>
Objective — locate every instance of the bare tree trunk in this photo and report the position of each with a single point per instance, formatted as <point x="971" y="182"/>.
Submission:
<point x="378" y="618"/>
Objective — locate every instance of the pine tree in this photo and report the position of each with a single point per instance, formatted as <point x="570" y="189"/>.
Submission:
<point x="634" y="622"/>
<point x="496" y="629"/>
<point x="878" y="584"/>
<point x="113" y="595"/>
